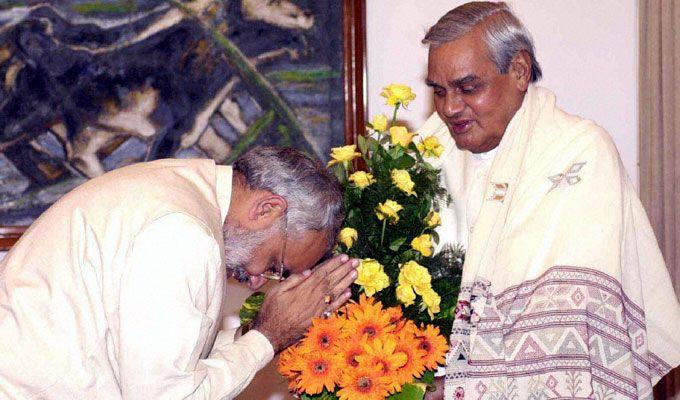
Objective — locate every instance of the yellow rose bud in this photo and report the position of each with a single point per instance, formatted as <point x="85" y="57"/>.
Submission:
<point x="414" y="274"/>
<point x="431" y="300"/>
<point x="423" y="244"/>
<point x="371" y="276"/>
<point x="401" y="136"/>
<point x="348" y="236"/>
<point x="344" y="153"/>
<point x="379" y="122"/>
<point x="397" y="94"/>
<point x="433" y="219"/>
<point x="430" y="147"/>
<point x="389" y="209"/>
<point x="402" y="180"/>
<point x="361" y="179"/>
<point x="405" y="294"/>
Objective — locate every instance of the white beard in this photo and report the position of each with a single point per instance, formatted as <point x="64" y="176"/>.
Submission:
<point x="239" y="246"/>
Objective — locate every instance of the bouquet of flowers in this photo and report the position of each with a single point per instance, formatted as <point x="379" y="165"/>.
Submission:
<point x="364" y="351"/>
<point x="367" y="351"/>
<point x="392" y="212"/>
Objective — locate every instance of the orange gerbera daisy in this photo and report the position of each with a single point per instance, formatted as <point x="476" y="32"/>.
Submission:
<point x="288" y="361"/>
<point x="434" y="346"/>
<point x="415" y="363"/>
<point x="382" y="353"/>
<point x="367" y="318"/>
<point x="318" y="370"/>
<point x="349" y="351"/>
<point x="324" y="334"/>
<point x="395" y="314"/>
<point x="289" y="365"/>
<point x="405" y="325"/>
<point x="364" y="301"/>
<point x="362" y="383"/>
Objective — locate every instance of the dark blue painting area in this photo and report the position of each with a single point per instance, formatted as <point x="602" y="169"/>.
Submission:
<point x="94" y="86"/>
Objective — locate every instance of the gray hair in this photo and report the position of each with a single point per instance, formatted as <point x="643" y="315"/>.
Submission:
<point x="313" y="194"/>
<point x="504" y="34"/>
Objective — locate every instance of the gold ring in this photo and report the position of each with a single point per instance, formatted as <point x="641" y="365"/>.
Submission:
<point x="327" y="299"/>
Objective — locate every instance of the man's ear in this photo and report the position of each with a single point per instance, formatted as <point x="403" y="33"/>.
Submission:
<point x="520" y="70"/>
<point x="266" y="210"/>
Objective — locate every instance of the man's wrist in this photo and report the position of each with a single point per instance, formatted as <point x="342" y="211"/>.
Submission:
<point x="274" y="339"/>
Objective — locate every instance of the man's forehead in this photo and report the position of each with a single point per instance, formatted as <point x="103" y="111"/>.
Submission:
<point x="459" y="62"/>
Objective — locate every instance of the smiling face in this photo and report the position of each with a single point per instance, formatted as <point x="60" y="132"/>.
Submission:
<point x="474" y="100"/>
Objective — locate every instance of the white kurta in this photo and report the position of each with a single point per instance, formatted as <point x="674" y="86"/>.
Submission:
<point x="564" y="291"/>
<point x="466" y="183"/>
<point x="115" y="292"/>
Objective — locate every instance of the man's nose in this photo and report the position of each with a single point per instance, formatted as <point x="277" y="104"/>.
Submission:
<point x="453" y="105"/>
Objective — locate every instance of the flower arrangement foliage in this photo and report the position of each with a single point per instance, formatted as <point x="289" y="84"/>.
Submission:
<point x="392" y="205"/>
<point x="364" y="351"/>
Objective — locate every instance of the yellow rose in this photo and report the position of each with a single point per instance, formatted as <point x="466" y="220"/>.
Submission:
<point x="405" y="294"/>
<point x="397" y="94"/>
<point x="402" y="180"/>
<point x="361" y="179"/>
<point x="371" y="276"/>
<point x="431" y="300"/>
<point x="379" y="122"/>
<point x="414" y="274"/>
<point x="344" y="153"/>
<point x="348" y="236"/>
<point x="433" y="219"/>
<point x="401" y="136"/>
<point x="430" y="147"/>
<point x="423" y="244"/>
<point x="389" y="209"/>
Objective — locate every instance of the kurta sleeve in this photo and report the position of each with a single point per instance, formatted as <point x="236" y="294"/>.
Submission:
<point x="169" y="282"/>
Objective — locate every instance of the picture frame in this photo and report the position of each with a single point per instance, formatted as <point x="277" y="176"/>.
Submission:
<point x="353" y="89"/>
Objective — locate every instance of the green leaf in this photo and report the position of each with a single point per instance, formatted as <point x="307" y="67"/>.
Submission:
<point x="428" y="377"/>
<point x="339" y="172"/>
<point x="251" y="307"/>
<point x="409" y="392"/>
<point x="435" y="236"/>
<point x="396" y="243"/>
<point x="361" y="141"/>
<point x="404" y="162"/>
<point x="396" y="152"/>
<point x="325" y="395"/>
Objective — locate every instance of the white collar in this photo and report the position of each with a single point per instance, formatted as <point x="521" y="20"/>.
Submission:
<point x="489" y="155"/>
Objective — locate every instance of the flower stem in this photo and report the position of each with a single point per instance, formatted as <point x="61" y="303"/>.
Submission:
<point x="382" y="234"/>
<point x="394" y="115"/>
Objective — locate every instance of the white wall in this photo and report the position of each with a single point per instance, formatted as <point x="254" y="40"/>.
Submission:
<point x="587" y="50"/>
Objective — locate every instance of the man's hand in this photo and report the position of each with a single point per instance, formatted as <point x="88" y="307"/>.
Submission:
<point x="438" y="394"/>
<point x="289" y="307"/>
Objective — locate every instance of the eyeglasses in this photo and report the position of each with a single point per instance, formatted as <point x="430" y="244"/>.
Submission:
<point x="279" y="272"/>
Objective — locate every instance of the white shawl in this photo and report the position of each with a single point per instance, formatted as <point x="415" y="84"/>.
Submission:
<point x="565" y="293"/>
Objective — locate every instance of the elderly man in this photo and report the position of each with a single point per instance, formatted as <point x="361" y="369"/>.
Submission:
<point x="564" y="293"/>
<point x="115" y="291"/>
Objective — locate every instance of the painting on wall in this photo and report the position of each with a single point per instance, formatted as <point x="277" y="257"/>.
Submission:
<point x="90" y="86"/>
